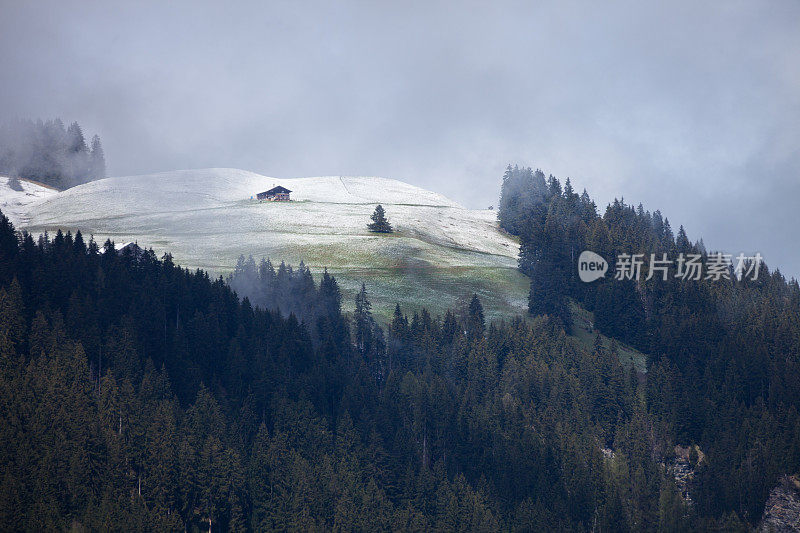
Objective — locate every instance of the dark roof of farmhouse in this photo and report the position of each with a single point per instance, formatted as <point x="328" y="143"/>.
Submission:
<point x="277" y="190"/>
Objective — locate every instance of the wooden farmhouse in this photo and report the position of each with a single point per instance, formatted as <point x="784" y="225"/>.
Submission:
<point x="275" y="194"/>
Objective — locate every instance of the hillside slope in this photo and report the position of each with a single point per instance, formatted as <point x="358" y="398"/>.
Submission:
<point x="206" y="218"/>
<point x="16" y="205"/>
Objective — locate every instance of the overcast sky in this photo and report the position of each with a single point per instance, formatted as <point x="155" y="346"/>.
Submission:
<point x="688" y="107"/>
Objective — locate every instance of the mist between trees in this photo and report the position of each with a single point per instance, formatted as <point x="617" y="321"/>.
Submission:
<point x="50" y="153"/>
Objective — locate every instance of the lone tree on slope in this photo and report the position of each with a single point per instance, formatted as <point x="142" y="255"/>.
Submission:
<point x="379" y="222"/>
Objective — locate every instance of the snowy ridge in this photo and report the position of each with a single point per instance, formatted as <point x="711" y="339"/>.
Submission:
<point x="185" y="190"/>
<point x="330" y="205"/>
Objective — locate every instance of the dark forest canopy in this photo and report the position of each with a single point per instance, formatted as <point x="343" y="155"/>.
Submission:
<point x="139" y="395"/>
<point x="135" y="394"/>
<point x="724" y="355"/>
<point x="50" y="153"/>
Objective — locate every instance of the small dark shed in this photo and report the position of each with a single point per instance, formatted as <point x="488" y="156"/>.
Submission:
<point x="275" y="194"/>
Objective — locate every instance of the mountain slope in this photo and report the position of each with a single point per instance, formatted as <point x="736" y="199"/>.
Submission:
<point x="16" y="205"/>
<point x="206" y="218"/>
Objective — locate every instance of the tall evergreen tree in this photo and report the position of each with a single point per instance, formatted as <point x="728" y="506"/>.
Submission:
<point x="476" y="325"/>
<point x="98" y="160"/>
<point x="363" y="321"/>
<point x="379" y="224"/>
<point x="78" y="155"/>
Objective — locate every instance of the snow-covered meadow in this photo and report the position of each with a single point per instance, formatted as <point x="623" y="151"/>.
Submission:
<point x="439" y="252"/>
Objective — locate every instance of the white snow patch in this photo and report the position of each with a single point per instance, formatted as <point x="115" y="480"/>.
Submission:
<point x="17" y="204"/>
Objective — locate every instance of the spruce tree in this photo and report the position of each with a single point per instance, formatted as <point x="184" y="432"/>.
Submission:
<point x="78" y="157"/>
<point x="379" y="222"/>
<point x="97" y="160"/>
<point x="76" y="140"/>
<point x="476" y="323"/>
<point x="362" y="319"/>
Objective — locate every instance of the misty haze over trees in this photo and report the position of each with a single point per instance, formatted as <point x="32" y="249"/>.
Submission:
<point x="50" y="153"/>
